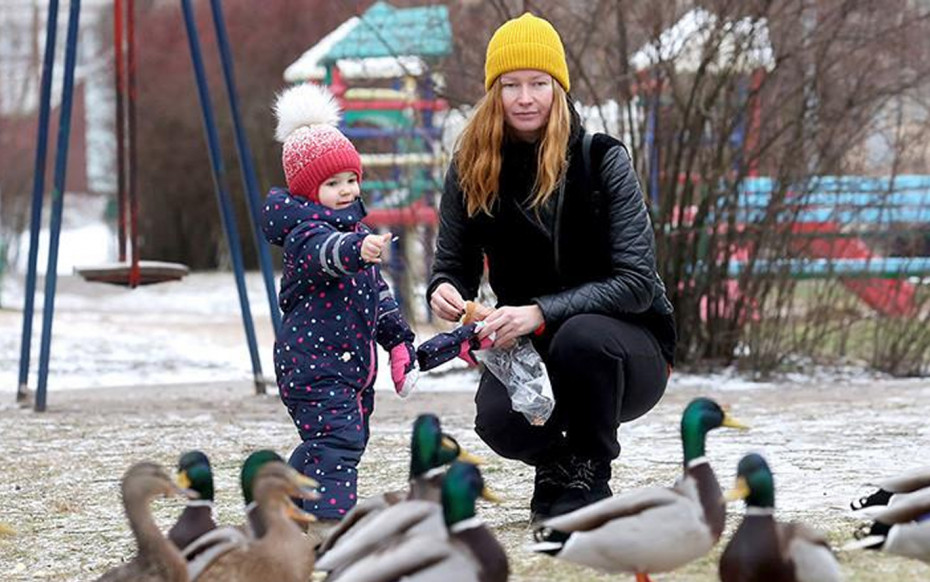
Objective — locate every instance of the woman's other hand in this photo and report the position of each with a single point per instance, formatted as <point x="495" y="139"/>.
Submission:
<point x="508" y="323"/>
<point x="447" y="303"/>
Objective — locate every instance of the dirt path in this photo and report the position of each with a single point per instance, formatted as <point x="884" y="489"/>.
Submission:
<point x="60" y="469"/>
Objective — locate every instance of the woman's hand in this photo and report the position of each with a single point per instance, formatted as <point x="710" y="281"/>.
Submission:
<point x="447" y="303"/>
<point x="509" y="323"/>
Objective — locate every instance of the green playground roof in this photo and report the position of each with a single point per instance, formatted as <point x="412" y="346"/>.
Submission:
<point x="385" y="31"/>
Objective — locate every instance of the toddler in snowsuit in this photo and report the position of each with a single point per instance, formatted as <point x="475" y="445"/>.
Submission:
<point x="336" y="304"/>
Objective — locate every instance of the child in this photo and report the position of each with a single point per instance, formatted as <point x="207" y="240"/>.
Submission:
<point x="336" y="304"/>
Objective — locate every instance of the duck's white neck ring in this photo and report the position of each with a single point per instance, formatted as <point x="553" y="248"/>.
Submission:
<point x="200" y="503"/>
<point x="435" y="471"/>
<point x="702" y="460"/>
<point x="760" y="511"/>
<point x="466" y="524"/>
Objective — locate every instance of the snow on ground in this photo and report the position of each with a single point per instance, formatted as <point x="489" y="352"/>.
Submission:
<point x="179" y="332"/>
<point x="114" y="350"/>
<point x="192" y="330"/>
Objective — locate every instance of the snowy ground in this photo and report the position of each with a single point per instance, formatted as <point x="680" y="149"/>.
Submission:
<point x="146" y="374"/>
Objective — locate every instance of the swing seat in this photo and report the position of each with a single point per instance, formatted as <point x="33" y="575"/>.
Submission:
<point x="150" y="272"/>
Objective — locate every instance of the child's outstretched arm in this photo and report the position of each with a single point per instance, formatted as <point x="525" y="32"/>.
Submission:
<point x="311" y="244"/>
<point x="395" y="336"/>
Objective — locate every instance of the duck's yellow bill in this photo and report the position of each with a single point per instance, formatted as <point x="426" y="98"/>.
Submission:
<point x="490" y="495"/>
<point x="467" y="457"/>
<point x="299" y="515"/>
<point x="302" y="480"/>
<point x="450" y="444"/>
<point x="730" y="422"/>
<point x="183" y="480"/>
<point x="304" y="487"/>
<point x="739" y="491"/>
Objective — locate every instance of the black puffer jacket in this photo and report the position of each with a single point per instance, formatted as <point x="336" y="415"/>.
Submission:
<point x="582" y="253"/>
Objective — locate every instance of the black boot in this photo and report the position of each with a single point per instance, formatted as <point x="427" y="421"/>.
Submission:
<point x="550" y="482"/>
<point x="589" y="481"/>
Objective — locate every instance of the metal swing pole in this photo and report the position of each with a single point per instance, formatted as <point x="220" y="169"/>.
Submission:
<point x="222" y="191"/>
<point x="58" y="191"/>
<point x="118" y="51"/>
<point x="245" y="161"/>
<point x="38" y="189"/>
<point x="134" y="272"/>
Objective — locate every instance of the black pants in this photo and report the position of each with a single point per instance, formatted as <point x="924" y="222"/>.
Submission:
<point x="603" y="372"/>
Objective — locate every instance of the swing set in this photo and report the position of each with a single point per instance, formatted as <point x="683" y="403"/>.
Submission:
<point x="133" y="271"/>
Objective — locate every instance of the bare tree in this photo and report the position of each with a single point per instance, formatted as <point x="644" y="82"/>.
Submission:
<point x="787" y="91"/>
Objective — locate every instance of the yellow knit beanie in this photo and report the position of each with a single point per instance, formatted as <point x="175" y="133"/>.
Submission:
<point x="527" y="42"/>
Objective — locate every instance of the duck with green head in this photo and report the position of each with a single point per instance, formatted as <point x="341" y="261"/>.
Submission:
<point x="250" y="468"/>
<point x="212" y="546"/>
<point x="194" y="473"/>
<point x="196" y="533"/>
<point x="470" y="552"/>
<point x="431" y="450"/>
<point x="653" y="529"/>
<point x="764" y="550"/>
<point x="282" y="554"/>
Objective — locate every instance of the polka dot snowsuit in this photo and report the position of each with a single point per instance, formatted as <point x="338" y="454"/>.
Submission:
<point x="336" y="307"/>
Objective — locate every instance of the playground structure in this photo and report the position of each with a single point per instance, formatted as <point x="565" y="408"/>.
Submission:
<point x="837" y="223"/>
<point x="379" y="66"/>
<point x="135" y="271"/>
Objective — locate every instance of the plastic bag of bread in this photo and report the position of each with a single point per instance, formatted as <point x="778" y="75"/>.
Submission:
<point x="523" y="373"/>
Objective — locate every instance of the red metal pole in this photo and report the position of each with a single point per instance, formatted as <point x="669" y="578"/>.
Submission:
<point x="134" y="275"/>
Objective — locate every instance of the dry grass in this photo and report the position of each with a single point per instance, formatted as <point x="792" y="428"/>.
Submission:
<point x="61" y="469"/>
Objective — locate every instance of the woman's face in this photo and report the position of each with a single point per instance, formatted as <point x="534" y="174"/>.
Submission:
<point x="527" y="100"/>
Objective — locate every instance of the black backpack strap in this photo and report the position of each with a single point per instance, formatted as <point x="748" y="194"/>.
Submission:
<point x="586" y="154"/>
<point x="592" y="181"/>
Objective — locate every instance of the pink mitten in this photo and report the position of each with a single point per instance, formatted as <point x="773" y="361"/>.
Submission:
<point x="404" y="369"/>
<point x="474" y="344"/>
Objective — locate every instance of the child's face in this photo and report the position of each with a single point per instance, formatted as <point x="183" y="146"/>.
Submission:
<point x="339" y="190"/>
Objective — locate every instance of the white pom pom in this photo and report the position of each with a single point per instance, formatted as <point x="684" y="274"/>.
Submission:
<point x="304" y="105"/>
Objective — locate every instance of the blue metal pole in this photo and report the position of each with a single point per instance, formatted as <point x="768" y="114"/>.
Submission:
<point x="58" y="201"/>
<point x="38" y="189"/>
<point x="222" y="191"/>
<point x="245" y="161"/>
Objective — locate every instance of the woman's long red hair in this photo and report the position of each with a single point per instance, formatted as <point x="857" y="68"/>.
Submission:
<point x="478" y="151"/>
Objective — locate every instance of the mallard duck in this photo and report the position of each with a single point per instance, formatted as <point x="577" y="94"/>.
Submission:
<point x="893" y="488"/>
<point x="471" y="552"/>
<point x="902" y="528"/>
<point x="430" y="451"/>
<point x="764" y="550"/>
<point x="201" y="552"/>
<point x="254" y="527"/>
<point x="157" y="558"/>
<point x="196" y="533"/>
<point x="282" y="553"/>
<point x="197" y="518"/>
<point x="653" y="529"/>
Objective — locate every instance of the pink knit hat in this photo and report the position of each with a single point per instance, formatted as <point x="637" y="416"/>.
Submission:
<point x="314" y="149"/>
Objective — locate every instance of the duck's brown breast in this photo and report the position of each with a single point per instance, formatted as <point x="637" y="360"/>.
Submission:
<point x="754" y="555"/>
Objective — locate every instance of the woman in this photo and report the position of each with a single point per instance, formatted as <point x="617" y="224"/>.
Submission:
<point x="571" y="259"/>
